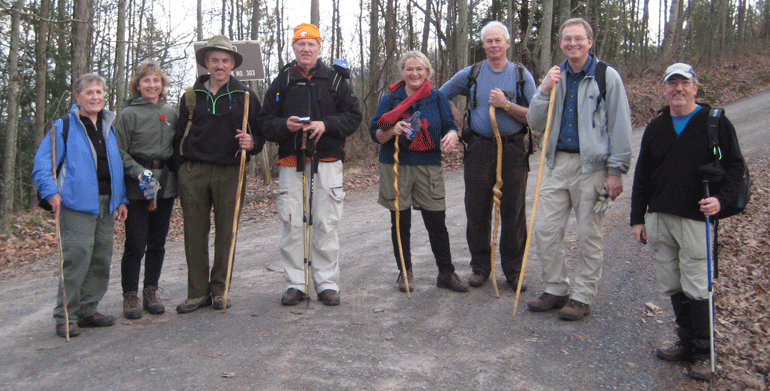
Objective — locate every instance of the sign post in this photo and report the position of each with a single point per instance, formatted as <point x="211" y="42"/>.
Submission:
<point x="250" y="69"/>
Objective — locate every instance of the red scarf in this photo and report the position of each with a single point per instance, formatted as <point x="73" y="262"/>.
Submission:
<point x="390" y="118"/>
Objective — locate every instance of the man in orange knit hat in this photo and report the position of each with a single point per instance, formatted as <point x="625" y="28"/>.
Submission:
<point x="310" y="101"/>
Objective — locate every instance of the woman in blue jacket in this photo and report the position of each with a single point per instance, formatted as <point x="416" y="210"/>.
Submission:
<point x="86" y="194"/>
<point x="421" y="179"/>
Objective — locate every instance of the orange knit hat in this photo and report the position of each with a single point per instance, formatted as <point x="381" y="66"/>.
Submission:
<point x="306" y="30"/>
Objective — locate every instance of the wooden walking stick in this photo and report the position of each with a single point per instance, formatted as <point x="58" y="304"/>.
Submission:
<point x="496" y="194"/>
<point x="404" y="274"/>
<point x="58" y="239"/>
<point x="241" y="172"/>
<point x="537" y="195"/>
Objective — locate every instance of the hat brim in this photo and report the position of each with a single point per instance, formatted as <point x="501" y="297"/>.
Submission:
<point x="686" y="75"/>
<point x="200" y="55"/>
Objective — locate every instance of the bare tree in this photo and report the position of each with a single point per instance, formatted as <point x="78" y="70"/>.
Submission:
<point x="41" y="75"/>
<point x="120" y="57"/>
<point x="545" y="35"/>
<point x="314" y="17"/>
<point x="81" y="36"/>
<point x="9" y="165"/>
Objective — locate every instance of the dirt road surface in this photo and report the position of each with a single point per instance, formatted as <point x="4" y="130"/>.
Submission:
<point x="377" y="339"/>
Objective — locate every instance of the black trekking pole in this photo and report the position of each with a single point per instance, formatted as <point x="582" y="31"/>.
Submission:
<point x="710" y="281"/>
<point x="313" y="171"/>
<point x="301" y="167"/>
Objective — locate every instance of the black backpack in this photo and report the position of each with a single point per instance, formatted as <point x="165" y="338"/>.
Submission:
<point x="42" y="202"/>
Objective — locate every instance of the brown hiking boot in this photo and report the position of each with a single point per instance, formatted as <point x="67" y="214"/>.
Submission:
<point x="151" y="300"/>
<point x="292" y="296"/>
<point x="547" y="302"/>
<point x="402" y="284"/>
<point x="96" y="320"/>
<point x="451" y="281"/>
<point x="478" y="278"/>
<point x="574" y="310"/>
<point x="673" y="353"/>
<point x="191" y="305"/>
<point x="218" y="302"/>
<point x="132" y="308"/>
<point x="701" y="369"/>
<point x="514" y="283"/>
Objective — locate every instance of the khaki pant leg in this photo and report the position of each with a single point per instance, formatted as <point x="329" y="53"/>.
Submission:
<point x="289" y="204"/>
<point x="77" y="237"/>
<point x="328" y="198"/>
<point x="223" y="191"/>
<point x="195" y="198"/>
<point x="98" y="277"/>
<point x="590" y="238"/>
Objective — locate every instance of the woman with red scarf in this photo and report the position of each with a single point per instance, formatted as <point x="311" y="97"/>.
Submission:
<point x="422" y="117"/>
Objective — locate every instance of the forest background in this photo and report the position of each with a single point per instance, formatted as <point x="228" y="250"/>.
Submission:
<point x="46" y="44"/>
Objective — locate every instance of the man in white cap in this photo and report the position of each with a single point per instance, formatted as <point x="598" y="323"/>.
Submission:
<point x="669" y="208"/>
<point x="206" y="148"/>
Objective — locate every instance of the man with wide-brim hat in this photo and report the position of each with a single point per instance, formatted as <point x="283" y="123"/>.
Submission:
<point x="206" y="153"/>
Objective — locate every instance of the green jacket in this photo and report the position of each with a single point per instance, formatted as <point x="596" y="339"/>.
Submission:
<point x="145" y="133"/>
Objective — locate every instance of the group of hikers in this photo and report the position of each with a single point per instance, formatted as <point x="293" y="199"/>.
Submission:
<point x="92" y="169"/>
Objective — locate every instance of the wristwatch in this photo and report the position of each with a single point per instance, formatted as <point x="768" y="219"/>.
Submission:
<point x="507" y="107"/>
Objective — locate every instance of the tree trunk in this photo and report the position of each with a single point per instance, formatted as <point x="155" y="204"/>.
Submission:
<point x="426" y="27"/>
<point x="81" y="36"/>
<point x="9" y="165"/>
<point x="199" y="18"/>
<point x="669" y="35"/>
<point x="545" y="35"/>
<point x="120" y="57"/>
<point x="41" y="75"/>
<point x="462" y="34"/>
<point x="314" y="14"/>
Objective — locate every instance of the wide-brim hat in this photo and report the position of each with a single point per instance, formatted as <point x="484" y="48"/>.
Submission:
<point x="218" y="42"/>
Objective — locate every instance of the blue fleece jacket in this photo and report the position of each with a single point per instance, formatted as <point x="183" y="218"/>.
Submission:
<point x="77" y="182"/>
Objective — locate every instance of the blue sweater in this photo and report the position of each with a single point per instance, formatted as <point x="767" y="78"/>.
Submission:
<point x="77" y="182"/>
<point x="435" y="108"/>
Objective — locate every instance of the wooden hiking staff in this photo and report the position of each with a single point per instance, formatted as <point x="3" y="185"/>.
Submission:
<point x="58" y="238"/>
<point x="537" y="196"/>
<point x="241" y="172"/>
<point x="398" y="219"/>
<point x="496" y="194"/>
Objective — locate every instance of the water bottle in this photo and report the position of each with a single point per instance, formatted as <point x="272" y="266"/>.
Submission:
<point x="150" y="187"/>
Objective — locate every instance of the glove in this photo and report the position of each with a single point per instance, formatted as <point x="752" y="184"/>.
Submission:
<point x="604" y="202"/>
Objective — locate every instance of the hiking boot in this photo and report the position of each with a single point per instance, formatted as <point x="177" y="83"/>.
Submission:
<point x="151" y="300"/>
<point x="329" y="297"/>
<point x="292" y="296"/>
<point x="478" y="279"/>
<point x="132" y="308"/>
<point x="547" y="302"/>
<point x="701" y="369"/>
<point x="574" y="310"/>
<point x="96" y="320"/>
<point x="61" y="330"/>
<point x="402" y="284"/>
<point x="451" y="281"/>
<point x="219" y="302"/>
<point x="191" y="305"/>
<point x="514" y="283"/>
<point x="673" y="353"/>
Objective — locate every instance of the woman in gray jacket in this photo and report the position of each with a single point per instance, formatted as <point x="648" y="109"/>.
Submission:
<point x="145" y="131"/>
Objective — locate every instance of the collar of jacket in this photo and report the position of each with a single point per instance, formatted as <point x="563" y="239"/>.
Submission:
<point x="108" y="117"/>
<point x="320" y="70"/>
<point x="591" y="61"/>
<point x="235" y="86"/>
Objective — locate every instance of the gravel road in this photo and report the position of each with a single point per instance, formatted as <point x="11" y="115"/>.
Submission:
<point x="377" y="339"/>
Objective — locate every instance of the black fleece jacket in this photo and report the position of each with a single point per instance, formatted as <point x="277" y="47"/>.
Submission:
<point x="312" y="97"/>
<point x="216" y="118"/>
<point x="667" y="179"/>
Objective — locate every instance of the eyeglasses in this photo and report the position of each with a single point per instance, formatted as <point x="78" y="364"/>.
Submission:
<point x="574" y="39"/>
<point x="673" y="83"/>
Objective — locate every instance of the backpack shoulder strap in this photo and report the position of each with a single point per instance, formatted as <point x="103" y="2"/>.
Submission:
<point x="189" y="101"/>
<point x="601" y="80"/>
<point x="712" y="129"/>
<point x="64" y="134"/>
<point x="521" y="99"/>
<point x="471" y="81"/>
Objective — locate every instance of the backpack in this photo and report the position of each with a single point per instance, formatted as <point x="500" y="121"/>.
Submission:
<point x="340" y="69"/>
<point x="713" y="172"/>
<point x="521" y="100"/>
<point x="42" y="202"/>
